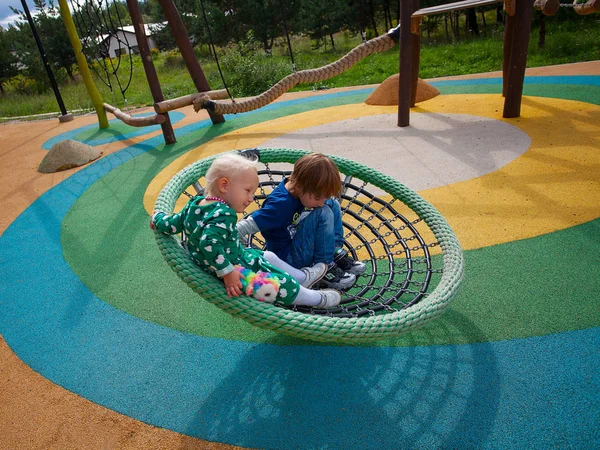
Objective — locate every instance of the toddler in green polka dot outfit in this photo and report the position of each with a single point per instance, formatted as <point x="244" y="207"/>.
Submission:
<point x="209" y="223"/>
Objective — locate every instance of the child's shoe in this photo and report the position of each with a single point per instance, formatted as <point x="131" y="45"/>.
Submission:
<point x="313" y="274"/>
<point x="347" y="264"/>
<point x="337" y="279"/>
<point x="329" y="298"/>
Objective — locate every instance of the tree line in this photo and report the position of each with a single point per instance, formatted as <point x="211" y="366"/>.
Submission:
<point x="247" y="24"/>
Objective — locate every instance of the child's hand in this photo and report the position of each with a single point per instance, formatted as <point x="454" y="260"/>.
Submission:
<point x="154" y="213"/>
<point x="233" y="285"/>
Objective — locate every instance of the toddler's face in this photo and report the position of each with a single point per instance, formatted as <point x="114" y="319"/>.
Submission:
<point x="241" y="189"/>
<point x="310" y="201"/>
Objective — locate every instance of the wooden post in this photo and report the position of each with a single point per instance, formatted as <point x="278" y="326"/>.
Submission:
<point x="509" y="26"/>
<point x="187" y="51"/>
<point x="404" y="82"/>
<point x="518" y="58"/>
<point x="415" y="29"/>
<point x="151" y="76"/>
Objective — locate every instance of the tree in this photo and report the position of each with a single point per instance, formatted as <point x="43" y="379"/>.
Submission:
<point x="55" y="41"/>
<point x="471" y="21"/>
<point x="8" y="61"/>
<point x="321" y="19"/>
<point x="264" y="18"/>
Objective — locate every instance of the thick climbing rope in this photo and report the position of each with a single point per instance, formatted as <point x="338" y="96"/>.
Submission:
<point x="376" y="45"/>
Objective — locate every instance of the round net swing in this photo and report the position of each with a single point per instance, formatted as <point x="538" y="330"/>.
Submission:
<point x="414" y="260"/>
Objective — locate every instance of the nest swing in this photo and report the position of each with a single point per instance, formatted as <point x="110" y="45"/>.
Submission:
<point x="414" y="260"/>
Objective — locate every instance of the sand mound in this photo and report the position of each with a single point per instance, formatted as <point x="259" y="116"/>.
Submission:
<point x="387" y="92"/>
<point x="68" y="154"/>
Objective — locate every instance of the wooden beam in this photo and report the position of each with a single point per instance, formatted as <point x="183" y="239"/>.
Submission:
<point x="589" y="7"/>
<point x="547" y="7"/>
<point x="464" y="4"/>
<point x="186" y="100"/>
<point x="135" y="121"/>
<point x="509" y="7"/>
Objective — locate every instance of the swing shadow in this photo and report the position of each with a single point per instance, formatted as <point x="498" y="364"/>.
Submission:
<point x="357" y="397"/>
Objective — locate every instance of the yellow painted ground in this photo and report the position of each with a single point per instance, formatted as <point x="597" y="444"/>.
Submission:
<point x="554" y="185"/>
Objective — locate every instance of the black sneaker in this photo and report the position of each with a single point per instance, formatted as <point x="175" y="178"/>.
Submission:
<point x="337" y="279"/>
<point x="347" y="264"/>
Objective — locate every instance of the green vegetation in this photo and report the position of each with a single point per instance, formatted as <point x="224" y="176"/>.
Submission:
<point x="248" y="70"/>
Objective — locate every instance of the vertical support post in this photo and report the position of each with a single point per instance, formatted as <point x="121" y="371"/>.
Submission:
<point x="65" y="117"/>
<point x="518" y="58"/>
<point x="151" y="75"/>
<point x="84" y="70"/>
<point x="404" y="83"/>
<point x="415" y="29"/>
<point x="187" y="52"/>
<point x="509" y="28"/>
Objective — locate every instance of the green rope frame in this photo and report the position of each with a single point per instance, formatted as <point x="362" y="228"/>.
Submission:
<point x="308" y="326"/>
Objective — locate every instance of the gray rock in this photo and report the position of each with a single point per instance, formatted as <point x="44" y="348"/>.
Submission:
<point x="68" y="154"/>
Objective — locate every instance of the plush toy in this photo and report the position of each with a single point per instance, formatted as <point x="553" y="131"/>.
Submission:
<point x="263" y="286"/>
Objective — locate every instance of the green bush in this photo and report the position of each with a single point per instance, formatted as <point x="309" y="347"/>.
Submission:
<point x="252" y="74"/>
<point x="20" y="84"/>
<point x="173" y="59"/>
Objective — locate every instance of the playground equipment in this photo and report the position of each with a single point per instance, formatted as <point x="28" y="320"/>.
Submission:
<point x="550" y="7"/>
<point x="387" y="225"/>
<point x="516" y="40"/>
<point x="376" y="45"/>
<point x="99" y="25"/>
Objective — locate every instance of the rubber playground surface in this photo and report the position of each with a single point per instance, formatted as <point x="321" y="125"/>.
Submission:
<point x="102" y="345"/>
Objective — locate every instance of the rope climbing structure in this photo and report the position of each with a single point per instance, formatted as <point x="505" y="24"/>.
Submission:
<point x="376" y="45"/>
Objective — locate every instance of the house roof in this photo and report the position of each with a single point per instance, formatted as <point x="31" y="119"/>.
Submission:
<point x="149" y="30"/>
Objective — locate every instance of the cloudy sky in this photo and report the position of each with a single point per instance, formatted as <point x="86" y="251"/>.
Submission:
<point x="6" y="15"/>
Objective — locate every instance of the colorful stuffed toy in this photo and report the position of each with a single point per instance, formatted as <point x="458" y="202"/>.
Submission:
<point x="263" y="286"/>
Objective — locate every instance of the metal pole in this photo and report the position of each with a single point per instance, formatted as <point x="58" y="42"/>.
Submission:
<point x="84" y="70"/>
<point x="65" y="117"/>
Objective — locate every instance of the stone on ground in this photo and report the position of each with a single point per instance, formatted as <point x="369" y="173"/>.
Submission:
<point x="387" y="92"/>
<point x="68" y="154"/>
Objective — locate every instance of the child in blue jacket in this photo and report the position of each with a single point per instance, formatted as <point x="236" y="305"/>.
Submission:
<point x="301" y="221"/>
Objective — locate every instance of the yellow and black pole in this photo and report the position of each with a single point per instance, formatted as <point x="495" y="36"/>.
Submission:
<point x="84" y="70"/>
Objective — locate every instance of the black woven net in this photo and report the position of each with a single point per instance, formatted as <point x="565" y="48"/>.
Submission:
<point x="402" y="258"/>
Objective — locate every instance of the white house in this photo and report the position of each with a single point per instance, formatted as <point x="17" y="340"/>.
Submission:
<point x="116" y="44"/>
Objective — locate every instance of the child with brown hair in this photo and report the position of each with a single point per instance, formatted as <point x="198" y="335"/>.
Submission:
<point x="301" y="221"/>
<point x="208" y="223"/>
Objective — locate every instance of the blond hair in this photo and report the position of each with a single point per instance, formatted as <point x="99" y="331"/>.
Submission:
<point x="228" y="165"/>
<point x="318" y="175"/>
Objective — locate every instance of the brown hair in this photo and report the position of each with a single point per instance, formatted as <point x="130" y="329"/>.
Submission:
<point x="316" y="174"/>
